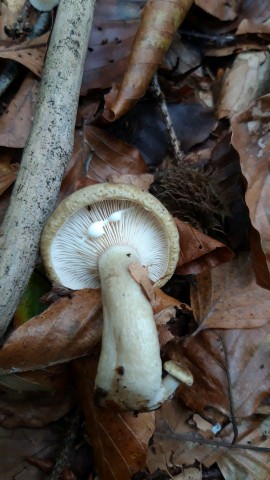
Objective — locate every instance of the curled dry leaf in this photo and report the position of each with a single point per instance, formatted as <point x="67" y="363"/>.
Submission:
<point x="247" y="79"/>
<point x="254" y="18"/>
<point x="30" y="53"/>
<point x="251" y="138"/>
<point x="199" y="252"/>
<point x="119" y="440"/>
<point x="228" y="297"/>
<point x="69" y="328"/>
<point x="140" y="275"/>
<point x="177" y="441"/>
<point x="152" y="41"/>
<point x="223" y="10"/>
<point x="16" y="121"/>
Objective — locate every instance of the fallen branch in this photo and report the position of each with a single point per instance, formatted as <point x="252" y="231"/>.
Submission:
<point x="47" y="153"/>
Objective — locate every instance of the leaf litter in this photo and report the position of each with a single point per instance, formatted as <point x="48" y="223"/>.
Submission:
<point x="222" y="337"/>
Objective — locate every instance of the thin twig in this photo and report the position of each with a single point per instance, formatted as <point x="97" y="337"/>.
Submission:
<point x="173" y="140"/>
<point x="194" y="438"/>
<point x="229" y="383"/>
<point x="65" y="454"/>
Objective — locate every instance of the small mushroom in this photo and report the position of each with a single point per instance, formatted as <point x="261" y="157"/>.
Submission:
<point x="91" y="240"/>
<point x="44" y="5"/>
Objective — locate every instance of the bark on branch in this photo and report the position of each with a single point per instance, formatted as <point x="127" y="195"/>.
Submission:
<point x="46" y="154"/>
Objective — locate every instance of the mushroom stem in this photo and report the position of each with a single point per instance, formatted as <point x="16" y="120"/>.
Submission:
<point x="129" y="371"/>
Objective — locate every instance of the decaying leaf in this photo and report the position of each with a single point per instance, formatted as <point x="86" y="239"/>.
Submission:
<point x="97" y="154"/>
<point x="17" y="444"/>
<point x="223" y="10"/>
<point x="119" y="440"/>
<point x="199" y="252"/>
<point x="30" y="53"/>
<point x="178" y="441"/>
<point x="69" y="328"/>
<point x="151" y="43"/>
<point x="228" y="297"/>
<point x="142" y="181"/>
<point x="223" y="361"/>
<point x="251" y="138"/>
<point x="8" y="174"/>
<point x="16" y="121"/>
<point x="247" y="79"/>
<point x="140" y="275"/>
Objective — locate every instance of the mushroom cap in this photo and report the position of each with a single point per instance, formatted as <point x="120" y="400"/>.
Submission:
<point x="71" y="258"/>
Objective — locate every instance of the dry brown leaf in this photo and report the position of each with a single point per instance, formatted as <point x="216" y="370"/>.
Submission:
<point x="223" y="10"/>
<point x="176" y="442"/>
<point x="110" y="43"/>
<point x="96" y="155"/>
<point x="140" y="275"/>
<point x="251" y="138"/>
<point x="247" y="79"/>
<point x="30" y="53"/>
<point x="254" y="18"/>
<point x="119" y="440"/>
<point x="33" y="409"/>
<point x="51" y="379"/>
<point x="219" y="358"/>
<point x="16" y="121"/>
<point x="69" y="328"/>
<point x="17" y="444"/>
<point x="198" y="251"/>
<point x="152" y="41"/>
<point x="8" y="174"/>
<point x="142" y="181"/>
<point x="228" y="297"/>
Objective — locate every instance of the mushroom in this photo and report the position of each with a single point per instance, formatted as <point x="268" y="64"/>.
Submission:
<point x="91" y="240"/>
<point x="44" y="5"/>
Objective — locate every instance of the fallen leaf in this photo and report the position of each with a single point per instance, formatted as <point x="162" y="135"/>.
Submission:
<point x="17" y="444"/>
<point x="251" y="138"/>
<point x="235" y="361"/>
<point x="228" y="297"/>
<point x="246" y="80"/>
<point x="119" y="440"/>
<point x="152" y="41"/>
<point x="8" y="174"/>
<point x="199" y="252"/>
<point x="16" y="121"/>
<point x="51" y="379"/>
<point x="224" y="11"/>
<point x="69" y="328"/>
<point x="30" y="53"/>
<point x="176" y="442"/>
<point x="140" y="275"/>
<point x="110" y="43"/>
<point x="142" y="181"/>
<point x="254" y="18"/>
<point x="32" y="409"/>
<point x="97" y="154"/>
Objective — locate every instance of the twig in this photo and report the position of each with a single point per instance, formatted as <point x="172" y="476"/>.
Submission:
<point x="229" y="383"/>
<point x="13" y="68"/>
<point x="173" y="140"/>
<point x="64" y="456"/>
<point x="194" y="438"/>
<point x="46" y="154"/>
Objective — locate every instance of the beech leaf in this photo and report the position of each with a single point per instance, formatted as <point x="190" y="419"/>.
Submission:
<point x="152" y="41"/>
